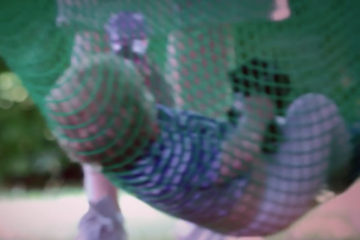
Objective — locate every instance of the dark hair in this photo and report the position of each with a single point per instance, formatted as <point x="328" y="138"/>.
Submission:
<point x="261" y="77"/>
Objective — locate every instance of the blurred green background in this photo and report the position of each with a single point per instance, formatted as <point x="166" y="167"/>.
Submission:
<point x="29" y="155"/>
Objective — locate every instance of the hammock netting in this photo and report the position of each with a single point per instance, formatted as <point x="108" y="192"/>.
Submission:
<point x="212" y="111"/>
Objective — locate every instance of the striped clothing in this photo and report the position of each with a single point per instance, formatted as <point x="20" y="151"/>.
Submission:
<point x="179" y="173"/>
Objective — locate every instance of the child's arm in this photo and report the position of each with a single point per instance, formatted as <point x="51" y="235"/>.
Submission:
<point x="243" y="146"/>
<point x="103" y="219"/>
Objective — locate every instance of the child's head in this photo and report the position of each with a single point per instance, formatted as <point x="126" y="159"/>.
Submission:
<point x="261" y="77"/>
<point x="101" y="111"/>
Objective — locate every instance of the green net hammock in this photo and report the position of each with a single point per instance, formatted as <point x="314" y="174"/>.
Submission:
<point x="233" y="115"/>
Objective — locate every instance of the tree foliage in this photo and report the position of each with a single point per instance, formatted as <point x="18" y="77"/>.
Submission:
<point x="28" y="151"/>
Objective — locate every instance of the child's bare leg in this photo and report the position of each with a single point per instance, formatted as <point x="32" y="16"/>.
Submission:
<point x="296" y="173"/>
<point x="103" y="221"/>
<point x="283" y="185"/>
<point x="189" y="65"/>
<point x="97" y="187"/>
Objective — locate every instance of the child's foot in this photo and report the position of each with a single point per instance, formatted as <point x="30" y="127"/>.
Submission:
<point x="103" y="221"/>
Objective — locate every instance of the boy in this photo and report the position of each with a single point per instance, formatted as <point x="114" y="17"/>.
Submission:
<point x="154" y="161"/>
